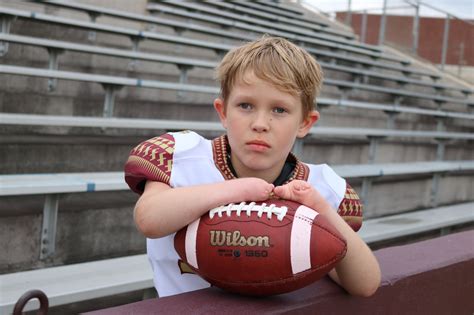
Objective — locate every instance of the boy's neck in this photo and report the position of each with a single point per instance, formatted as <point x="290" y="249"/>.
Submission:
<point x="268" y="175"/>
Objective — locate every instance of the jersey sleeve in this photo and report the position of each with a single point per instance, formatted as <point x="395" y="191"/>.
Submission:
<point x="150" y="160"/>
<point x="350" y="208"/>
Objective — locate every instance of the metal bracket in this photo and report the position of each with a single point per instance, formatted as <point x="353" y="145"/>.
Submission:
<point x="374" y="141"/>
<point x="401" y="84"/>
<point x="398" y="100"/>
<point x="435" y="78"/>
<point x="434" y="189"/>
<point x="344" y="92"/>
<point x="391" y="115"/>
<point x="150" y="27"/>
<point x="109" y="102"/>
<point x="183" y="79"/>
<point x="445" y="231"/>
<point x="406" y="73"/>
<point x="179" y="30"/>
<point x="439" y="104"/>
<point x="440" y="123"/>
<point x="321" y="107"/>
<point x="470" y="108"/>
<point x="92" y="36"/>
<point x="5" y="23"/>
<point x="183" y="76"/>
<point x="365" y="79"/>
<point x="357" y="78"/>
<point x="364" y="194"/>
<point x="440" y="150"/>
<point x="48" y="230"/>
<point x="135" y="42"/>
<point x="220" y="53"/>
<point x="93" y="15"/>
<point x="53" y="65"/>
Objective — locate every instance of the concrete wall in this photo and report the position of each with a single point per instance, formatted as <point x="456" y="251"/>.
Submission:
<point x="429" y="277"/>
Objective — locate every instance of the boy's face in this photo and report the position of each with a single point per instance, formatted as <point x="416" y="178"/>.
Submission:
<point x="262" y="124"/>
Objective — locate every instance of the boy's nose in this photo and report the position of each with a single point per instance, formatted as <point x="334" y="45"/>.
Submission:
<point x="261" y="123"/>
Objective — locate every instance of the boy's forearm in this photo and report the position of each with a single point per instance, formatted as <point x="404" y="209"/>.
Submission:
<point x="165" y="212"/>
<point x="359" y="271"/>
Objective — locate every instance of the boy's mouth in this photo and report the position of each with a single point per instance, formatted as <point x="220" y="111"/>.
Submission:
<point x="258" y="145"/>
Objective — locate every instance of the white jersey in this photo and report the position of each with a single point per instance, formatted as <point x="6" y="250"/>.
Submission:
<point x="186" y="158"/>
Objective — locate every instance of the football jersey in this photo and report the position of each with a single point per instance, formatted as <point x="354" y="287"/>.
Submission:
<point x="185" y="158"/>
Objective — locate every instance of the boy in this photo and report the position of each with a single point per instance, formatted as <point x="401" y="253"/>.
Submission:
<point x="268" y="88"/>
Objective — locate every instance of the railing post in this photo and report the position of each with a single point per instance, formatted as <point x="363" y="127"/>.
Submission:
<point x="363" y="27"/>
<point x="445" y="41"/>
<point x="416" y="28"/>
<point x="382" y="23"/>
<point x="349" y="13"/>
<point x="461" y="58"/>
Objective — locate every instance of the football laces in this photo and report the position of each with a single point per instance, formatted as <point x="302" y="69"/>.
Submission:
<point x="261" y="209"/>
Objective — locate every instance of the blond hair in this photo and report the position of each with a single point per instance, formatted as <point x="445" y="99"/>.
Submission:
<point x="276" y="60"/>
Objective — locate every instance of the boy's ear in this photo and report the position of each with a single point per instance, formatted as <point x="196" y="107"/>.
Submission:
<point x="219" y="106"/>
<point x="307" y="123"/>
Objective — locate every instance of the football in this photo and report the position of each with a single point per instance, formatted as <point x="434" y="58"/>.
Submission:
<point x="262" y="248"/>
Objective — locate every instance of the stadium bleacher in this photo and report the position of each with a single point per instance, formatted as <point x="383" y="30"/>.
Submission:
<point x="402" y="134"/>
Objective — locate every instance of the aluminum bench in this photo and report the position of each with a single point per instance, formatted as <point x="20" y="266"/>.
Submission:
<point x="270" y="18"/>
<point x="136" y="36"/>
<point x="281" y="6"/>
<point x="77" y="282"/>
<point x="112" y="84"/>
<point x="135" y="123"/>
<point x="60" y="183"/>
<point x="303" y="34"/>
<point x="288" y="11"/>
<point x="317" y="39"/>
<point x="55" y="47"/>
<point x="301" y="22"/>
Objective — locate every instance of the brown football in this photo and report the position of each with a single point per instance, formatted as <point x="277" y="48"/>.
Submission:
<point x="262" y="248"/>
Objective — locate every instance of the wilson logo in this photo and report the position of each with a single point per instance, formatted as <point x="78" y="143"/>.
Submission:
<point x="225" y="238"/>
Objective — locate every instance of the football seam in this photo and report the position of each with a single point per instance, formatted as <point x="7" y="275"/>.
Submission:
<point x="305" y="219"/>
<point x="250" y="220"/>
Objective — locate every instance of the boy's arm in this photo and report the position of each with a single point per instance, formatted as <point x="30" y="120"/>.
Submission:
<point x="358" y="272"/>
<point x="162" y="210"/>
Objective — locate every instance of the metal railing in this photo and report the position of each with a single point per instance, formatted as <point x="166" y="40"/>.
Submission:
<point x="415" y="27"/>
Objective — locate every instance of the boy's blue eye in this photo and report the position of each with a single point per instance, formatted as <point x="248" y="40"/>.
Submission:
<point x="245" y="105"/>
<point x="279" y="110"/>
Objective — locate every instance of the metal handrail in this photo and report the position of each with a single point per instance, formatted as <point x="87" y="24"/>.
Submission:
<point x="417" y="5"/>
